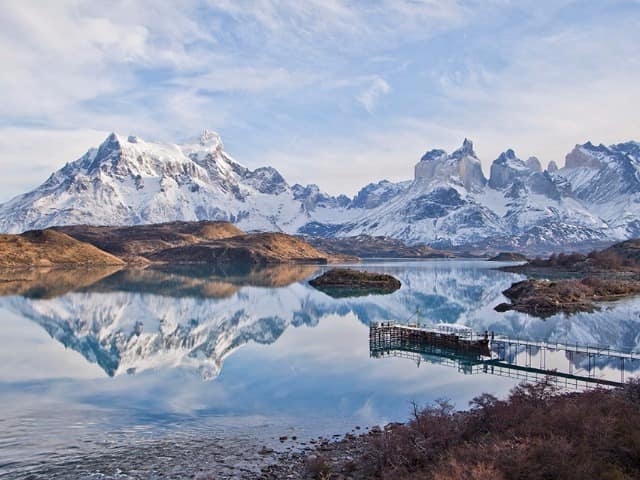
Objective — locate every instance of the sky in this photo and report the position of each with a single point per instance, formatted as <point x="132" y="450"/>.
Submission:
<point x="337" y="93"/>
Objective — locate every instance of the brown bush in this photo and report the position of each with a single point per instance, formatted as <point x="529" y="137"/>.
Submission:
<point x="606" y="260"/>
<point x="535" y="434"/>
<point x="318" y="467"/>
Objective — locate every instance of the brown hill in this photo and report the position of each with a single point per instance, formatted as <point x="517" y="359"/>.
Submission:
<point x="620" y="259"/>
<point x="139" y="241"/>
<point x="47" y="248"/>
<point x="627" y="253"/>
<point x="218" y="243"/>
<point x="509" y="257"/>
<point x="258" y="248"/>
<point x="375" y="247"/>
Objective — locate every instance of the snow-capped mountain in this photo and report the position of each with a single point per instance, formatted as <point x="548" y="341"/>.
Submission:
<point x="449" y="203"/>
<point x="130" y="181"/>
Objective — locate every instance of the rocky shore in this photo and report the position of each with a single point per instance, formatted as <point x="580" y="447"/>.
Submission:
<point x="337" y="458"/>
<point x="536" y="432"/>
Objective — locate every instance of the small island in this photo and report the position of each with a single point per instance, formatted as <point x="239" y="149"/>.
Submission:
<point x="345" y="282"/>
<point x="571" y="283"/>
<point x="544" y="298"/>
<point x="509" y="257"/>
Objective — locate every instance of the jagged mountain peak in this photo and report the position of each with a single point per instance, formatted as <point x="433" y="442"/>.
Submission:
<point x="601" y="174"/>
<point x="508" y="169"/>
<point x="112" y="142"/>
<point x="630" y="148"/>
<point x="206" y="138"/>
<point x="461" y="168"/>
<point x="113" y="137"/>
<point x="583" y="156"/>
<point x="465" y="150"/>
<point x="591" y="146"/>
<point x="209" y="137"/>
<point x="533" y="164"/>
<point x="376" y="194"/>
<point x="129" y="182"/>
<point x="434" y="154"/>
<point x="506" y="156"/>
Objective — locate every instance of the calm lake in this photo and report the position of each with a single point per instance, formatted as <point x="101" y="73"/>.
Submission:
<point x="93" y="362"/>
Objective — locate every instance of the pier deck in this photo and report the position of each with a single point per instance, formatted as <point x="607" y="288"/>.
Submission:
<point x="500" y="355"/>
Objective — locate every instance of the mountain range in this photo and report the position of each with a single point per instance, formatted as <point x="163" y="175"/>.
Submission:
<point x="593" y="199"/>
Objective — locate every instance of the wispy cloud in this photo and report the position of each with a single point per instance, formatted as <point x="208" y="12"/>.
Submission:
<point x="369" y="96"/>
<point x="322" y="83"/>
<point x="29" y="155"/>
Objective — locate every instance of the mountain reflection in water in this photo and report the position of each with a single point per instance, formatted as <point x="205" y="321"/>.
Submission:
<point x="95" y="360"/>
<point x="195" y="316"/>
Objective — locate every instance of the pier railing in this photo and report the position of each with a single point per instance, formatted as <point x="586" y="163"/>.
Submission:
<point x="485" y="352"/>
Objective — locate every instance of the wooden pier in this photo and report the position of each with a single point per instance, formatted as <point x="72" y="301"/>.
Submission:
<point x="413" y="336"/>
<point x="499" y="355"/>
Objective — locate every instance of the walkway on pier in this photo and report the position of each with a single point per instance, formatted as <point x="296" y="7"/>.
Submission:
<point x="498" y="342"/>
<point x="501" y="355"/>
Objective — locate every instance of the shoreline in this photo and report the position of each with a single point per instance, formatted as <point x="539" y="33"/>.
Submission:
<point x="436" y="442"/>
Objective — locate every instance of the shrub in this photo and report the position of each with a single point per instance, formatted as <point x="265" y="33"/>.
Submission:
<point x="535" y="434"/>
<point x="318" y="467"/>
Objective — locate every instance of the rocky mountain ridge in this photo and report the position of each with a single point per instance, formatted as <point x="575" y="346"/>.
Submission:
<point x="592" y="200"/>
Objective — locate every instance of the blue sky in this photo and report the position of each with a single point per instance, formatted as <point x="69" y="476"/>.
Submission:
<point x="330" y="92"/>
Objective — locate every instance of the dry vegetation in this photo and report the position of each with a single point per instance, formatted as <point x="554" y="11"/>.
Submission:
<point x="197" y="242"/>
<point x="47" y="248"/>
<point x="139" y="241"/>
<point x="623" y="257"/>
<point x="535" y="434"/>
<point x="252" y="249"/>
<point x="219" y="243"/>
<point x="594" y="261"/>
